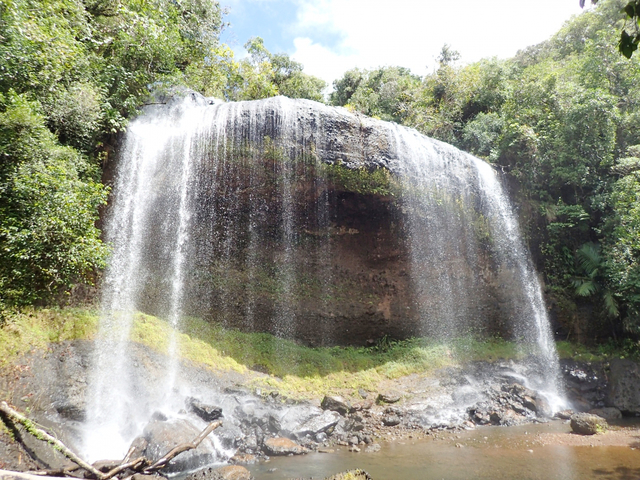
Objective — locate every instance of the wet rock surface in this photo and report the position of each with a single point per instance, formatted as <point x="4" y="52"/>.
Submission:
<point x="258" y="424"/>
<point x="586" y="384"/>
<point x="232" y="472"/>
<point x="159" y="437"/>
<point x="282" y="446"/>
<point x="208" y="413"/>
<point x="624" y="391"/>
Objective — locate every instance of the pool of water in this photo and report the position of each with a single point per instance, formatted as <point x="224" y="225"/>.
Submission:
<point x="485" y="453"/>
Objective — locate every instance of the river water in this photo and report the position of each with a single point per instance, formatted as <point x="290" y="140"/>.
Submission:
<point x="494" y="453"/>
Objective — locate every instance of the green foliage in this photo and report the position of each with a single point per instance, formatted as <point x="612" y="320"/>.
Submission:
<point x="48" y="209"/>
<point x="622" y="247"/>
<point x="385" y="93"/>
<point x="264" y="74"/>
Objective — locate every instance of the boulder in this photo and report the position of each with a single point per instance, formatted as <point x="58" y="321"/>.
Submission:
<point x="391" y="420"/>
<point x="565" y="414"/>
<point x="336" y="404"/>
<point x="389" y="397"/>
<point x="356" y="474"/>
<point x="588" y="424"/>
<point x="231" y="472"/>
<point x="624" y="386"/>
<point x="318" y="424"/>
<point x="208" y="413"/>
<point x="280" y="446"/>
<point x="161" y="437"/>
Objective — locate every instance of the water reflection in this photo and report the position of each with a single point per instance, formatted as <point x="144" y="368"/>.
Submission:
<point x="495" y="453"/>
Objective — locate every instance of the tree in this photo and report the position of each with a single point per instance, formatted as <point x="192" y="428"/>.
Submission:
<point x="387" y="92"/>
<point x="264" y="74"/>
<point x="630" y="35"/>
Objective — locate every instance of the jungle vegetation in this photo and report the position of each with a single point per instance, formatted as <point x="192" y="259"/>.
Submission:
<point x="560" y="119"/>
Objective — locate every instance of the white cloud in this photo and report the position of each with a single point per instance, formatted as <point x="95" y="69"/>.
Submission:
<point x="410" y="33"/>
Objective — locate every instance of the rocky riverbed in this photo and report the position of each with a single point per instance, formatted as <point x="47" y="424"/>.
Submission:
<point x="258" y="423"/>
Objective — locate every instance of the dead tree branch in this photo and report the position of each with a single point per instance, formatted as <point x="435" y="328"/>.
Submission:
<point x="9" y="475"/>
<point x="140" y="464"/>
<point x="40" y="434"/>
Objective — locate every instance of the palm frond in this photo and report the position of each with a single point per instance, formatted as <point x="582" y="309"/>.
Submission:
<point x="585" y="288"/>
<point x="589" y="259"/>
<point x="610" y="304"/>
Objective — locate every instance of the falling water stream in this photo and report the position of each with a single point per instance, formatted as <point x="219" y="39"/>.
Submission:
<point x="218" y="206"/>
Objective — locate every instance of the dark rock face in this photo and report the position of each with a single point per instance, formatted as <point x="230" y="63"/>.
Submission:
<point x="586" y="384"/>
<point x="299" y="228"/>
<point x="588" y="424"/>
<point x="624" y="388"/>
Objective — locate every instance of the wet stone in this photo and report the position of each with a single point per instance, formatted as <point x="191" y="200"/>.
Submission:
<point x="335" y="403"/>
<point x="319" y="424"/>
<point x="208" y="413"/>
<point x="243" y="459"/>
<point x="391" y="420"/>
<point x="280" y="446"/>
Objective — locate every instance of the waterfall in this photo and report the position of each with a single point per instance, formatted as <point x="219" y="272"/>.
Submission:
<point x="309" y="222"/>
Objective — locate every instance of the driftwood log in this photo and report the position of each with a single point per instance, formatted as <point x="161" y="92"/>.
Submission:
<point x="138" y="465"/>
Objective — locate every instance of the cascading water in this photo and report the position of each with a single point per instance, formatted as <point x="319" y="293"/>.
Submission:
<point x="309" y="222"/>
<point x="450" y="195"/>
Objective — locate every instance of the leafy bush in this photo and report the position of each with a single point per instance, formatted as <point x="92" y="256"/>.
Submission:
<point x="48" y="209"/>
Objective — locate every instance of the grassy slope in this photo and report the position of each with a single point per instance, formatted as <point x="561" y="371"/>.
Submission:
<point x="293" y="369"/>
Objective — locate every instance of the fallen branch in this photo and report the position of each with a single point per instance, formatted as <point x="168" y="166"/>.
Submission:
<point x="40" y="434"/>
<point x="9" y="475"/>
<point x="184" y="447"/>
<point x="140" y="464"/>
<point x="135" y="465"/>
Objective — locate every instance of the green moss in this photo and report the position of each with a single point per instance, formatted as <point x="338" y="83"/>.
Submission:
<point x="570" y="350"/>
<point x="35" y="328"/>
<point x="300" y="371"/>
<point x="293" y="369"/>
<point x="377" y="181"/>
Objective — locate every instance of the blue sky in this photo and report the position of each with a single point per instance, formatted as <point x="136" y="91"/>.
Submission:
<point x="331" y="36"/>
